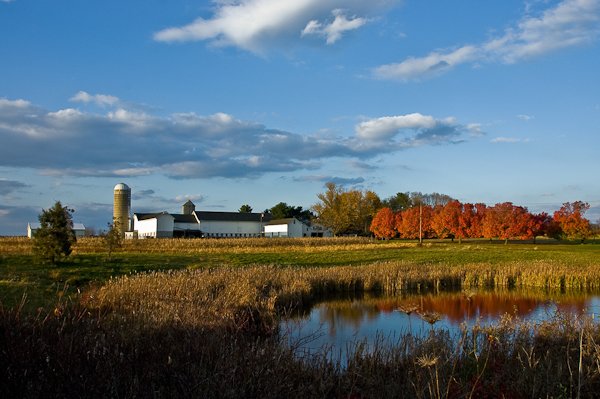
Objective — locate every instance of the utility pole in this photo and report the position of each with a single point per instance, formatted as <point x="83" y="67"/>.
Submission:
<point x="420" y="224"/>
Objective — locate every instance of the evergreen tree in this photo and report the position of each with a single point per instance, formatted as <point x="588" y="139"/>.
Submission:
<point x="52" y="242"/>
<point x="245" y="209"/>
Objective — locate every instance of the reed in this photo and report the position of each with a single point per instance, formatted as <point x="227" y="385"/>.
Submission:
<point x="78" y="352"/>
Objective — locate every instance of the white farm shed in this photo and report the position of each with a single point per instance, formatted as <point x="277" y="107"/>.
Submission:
<point x="153" y="225"/>
<point x="294" y="228"/>
<point x="78" y="228"/>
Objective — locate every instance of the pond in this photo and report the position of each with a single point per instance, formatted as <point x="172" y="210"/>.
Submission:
<point x="337" y="324"/>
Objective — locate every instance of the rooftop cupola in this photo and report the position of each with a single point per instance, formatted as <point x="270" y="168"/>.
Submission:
<point x="188" y="208"/>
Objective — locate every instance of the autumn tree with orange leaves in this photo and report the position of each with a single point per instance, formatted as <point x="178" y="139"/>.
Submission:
<point x="571" y="221"/>
<point x="445" y="220"/>
<point x="408" y="224"/>
<point x="384" y="224"/>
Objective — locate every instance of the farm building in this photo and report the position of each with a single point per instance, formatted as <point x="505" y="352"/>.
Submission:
<point x="192" y="223"/>
<point x="78" y="228"/>
<point x="294" y="228"/>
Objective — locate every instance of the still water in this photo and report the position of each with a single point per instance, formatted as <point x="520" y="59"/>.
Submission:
<point x="336" y="324"/>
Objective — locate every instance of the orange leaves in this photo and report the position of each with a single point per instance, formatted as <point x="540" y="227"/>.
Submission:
<point x="384" y="224"/>
<point x="503" y="221"/>
<point x="571" y="221"/>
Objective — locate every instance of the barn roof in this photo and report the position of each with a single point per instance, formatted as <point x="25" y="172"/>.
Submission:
<point x="147" y="216"/>
<point x="37" y="225"/>
<point x="181" y="218"/>
<point x="283" y="221"/>
<point x="232" y="216"/>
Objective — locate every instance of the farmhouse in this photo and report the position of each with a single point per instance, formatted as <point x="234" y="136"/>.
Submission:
<point x="192" y="223"/>
<point x="33" y="227"/>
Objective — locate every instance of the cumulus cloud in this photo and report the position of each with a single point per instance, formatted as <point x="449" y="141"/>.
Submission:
<point x="412" y="130"/>
<point x="570" y="23"/>
<point x="254" y="24"/>
<point x="123" y="143"/>
<point x="334" y="30"/>
<point x="98" y="99"/>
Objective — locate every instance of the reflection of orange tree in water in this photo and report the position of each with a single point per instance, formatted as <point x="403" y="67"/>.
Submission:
<point x="459" y="306"/>
<point x="456" y="307"/>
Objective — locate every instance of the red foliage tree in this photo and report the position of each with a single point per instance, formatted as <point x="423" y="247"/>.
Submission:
<point x="477" y="218"/>
<point x="408" y="222"/>
<point x="498" y="221"/>
<point x="571" y="221"/>
<point x="445" y="221"/>
<point x="384" y="224"/>
<point x="523" y="224"/>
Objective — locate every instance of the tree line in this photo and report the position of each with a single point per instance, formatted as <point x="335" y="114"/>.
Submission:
<point x="416" y="215"/>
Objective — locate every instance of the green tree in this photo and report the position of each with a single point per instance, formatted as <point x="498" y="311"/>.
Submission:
<point x="346" y="212"/>
<point x="284" y="211"/>
<point x="329" y="209"/>
<point x="398" y="202"/>
<point x="113" y="239"/>
<point x="52" y="242"/>
<point x="245" y="209"/>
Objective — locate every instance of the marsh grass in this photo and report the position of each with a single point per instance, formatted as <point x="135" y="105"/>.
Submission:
<point x="211" y="329"/>
<point x="79" y="352"/>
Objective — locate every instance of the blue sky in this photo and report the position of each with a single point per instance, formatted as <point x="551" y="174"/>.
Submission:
<point x="260" y="101"/>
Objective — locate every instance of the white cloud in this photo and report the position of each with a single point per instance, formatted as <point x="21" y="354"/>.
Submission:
<point x="68" y="113"/>
<point x="132" y="119"/>
<point x="4" y="103"/>
<point x="433" y="64"/>
<point x="125" y="143"/>
<point x="98" y="99"/>
<point x="388" y="126"/>
<point x="475" y="129"/>
<point x="570" y="23"/>
<point x="191" y="197"/>
<point x="333" y="31"/>
<point x="255" y="24"/>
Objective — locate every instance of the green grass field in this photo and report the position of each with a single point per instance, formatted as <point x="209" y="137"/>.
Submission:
<point x="20" y="274"/>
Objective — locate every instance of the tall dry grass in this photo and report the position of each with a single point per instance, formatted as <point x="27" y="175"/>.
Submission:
<point x="78" y="352"/>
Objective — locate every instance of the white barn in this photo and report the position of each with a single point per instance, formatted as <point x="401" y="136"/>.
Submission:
<point x="153" y="225"/>
<point x="78" y="229"/>
<point x="192" y="223"/>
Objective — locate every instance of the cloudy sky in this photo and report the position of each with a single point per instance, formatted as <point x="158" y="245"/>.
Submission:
<point x="229" y="102"/>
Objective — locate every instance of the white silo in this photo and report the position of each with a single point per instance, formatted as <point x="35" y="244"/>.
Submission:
<point x="122" y="207"/>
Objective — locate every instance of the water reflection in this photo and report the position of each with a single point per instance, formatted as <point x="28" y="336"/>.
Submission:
<point x="335" y="323"/>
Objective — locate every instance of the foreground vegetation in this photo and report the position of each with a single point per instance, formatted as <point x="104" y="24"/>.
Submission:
<point x="210" y="328"/>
